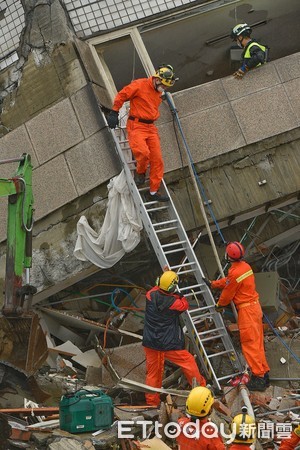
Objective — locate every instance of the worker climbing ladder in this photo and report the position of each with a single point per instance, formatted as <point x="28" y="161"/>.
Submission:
<point x="205" y="327"/>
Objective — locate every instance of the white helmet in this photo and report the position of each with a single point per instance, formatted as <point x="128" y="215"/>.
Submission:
<point x="242" y="29"/>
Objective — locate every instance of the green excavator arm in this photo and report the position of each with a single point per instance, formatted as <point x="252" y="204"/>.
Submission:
<point x="22" y="341"/>
<point x="18" y="189"/>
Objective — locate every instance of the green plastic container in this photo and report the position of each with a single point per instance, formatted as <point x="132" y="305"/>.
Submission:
<point x="85" y="411"/>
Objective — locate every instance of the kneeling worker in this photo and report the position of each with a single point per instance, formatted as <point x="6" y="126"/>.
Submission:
<point x="254" y="54"/>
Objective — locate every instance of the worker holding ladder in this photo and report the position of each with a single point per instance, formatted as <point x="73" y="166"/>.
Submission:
<point x="163" y="337"/>
<point x="239" y="287"/>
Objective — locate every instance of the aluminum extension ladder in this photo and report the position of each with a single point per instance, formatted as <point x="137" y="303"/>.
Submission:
<point x="203" y="324"/>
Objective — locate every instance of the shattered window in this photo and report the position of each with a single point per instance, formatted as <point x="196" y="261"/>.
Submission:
<point x="121" y="53"/>
<point x="89" y="17"/>
<point x="11" y="23"/>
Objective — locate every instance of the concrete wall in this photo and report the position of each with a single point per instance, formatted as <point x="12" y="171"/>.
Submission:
<point x="238" y="131"/>
<point x="227" y="114"/>
<point x="72" y="152"/>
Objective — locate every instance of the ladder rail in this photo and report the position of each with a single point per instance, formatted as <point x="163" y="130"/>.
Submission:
<point x="146" y="209"/>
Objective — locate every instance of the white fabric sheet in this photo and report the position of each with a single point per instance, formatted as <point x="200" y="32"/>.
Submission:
<point x="120" y="232"/>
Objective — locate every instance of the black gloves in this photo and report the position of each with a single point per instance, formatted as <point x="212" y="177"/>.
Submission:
<point x="207" y="282"/>
<point x="219" y="308"/>
<point x="113" y="119"/>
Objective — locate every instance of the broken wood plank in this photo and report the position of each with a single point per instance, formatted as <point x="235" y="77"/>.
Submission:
<point x="152" y="444"/>
<point x="50" y="424"/>
<point x="42" y="411"/>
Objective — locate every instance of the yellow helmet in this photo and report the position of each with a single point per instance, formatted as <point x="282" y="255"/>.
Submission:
<point x="244" y="428"/>
<point x="199" y="402"/>
<point x="297" y="430"/>
<point x="166" y="75"/>
<point x="168" y="281"/>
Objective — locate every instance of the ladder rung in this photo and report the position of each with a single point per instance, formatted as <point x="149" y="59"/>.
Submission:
<point x="167" y="222"/>
<point x="143" y="189"/>
<point x="165" y="229"/>
<point x="186" y="271"/>
<point x="211" y="338"/>
<point x="175" y="251"/>
<point x="220" y="353"/>
<point x="201" y="317"/>
<point x="201" y="308"/>
<point x="199" y="321"/>
<point x="173" y="243"/>
<point x="159" y="208"/>
<point x="182" y="265"/>
<point x="225" y="377"/>
<point x="202" y="333"/>
<point x="188" y="294"/>
<point x="186" y="288"/>
<point x="124" y="141"/>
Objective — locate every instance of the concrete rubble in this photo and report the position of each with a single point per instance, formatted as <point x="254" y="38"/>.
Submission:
<point x="95" y="362"/>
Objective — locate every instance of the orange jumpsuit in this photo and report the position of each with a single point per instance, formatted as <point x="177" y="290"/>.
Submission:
<point x="240" y="447"/>
<point x="239" y="287"/>
<point x="204" y="442"/>
<point x="143" y="137"/>
<point x="290" y="443"/>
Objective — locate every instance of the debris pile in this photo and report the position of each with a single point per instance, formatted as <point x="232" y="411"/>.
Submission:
<point x="95" y="376"/>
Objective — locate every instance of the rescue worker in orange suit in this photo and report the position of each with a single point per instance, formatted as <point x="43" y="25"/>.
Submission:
<point x="239" y="287"/>
<point x="292" y="442"/>
<point x="254" y="54"/>
<point x="198" y="407"/>
<point x="243" y="428"/>
<point x="163" y="338"/>
<point x="145" y="96"/>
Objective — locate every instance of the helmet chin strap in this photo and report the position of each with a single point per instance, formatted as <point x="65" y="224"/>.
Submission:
<point x="158" y="86"/>
<point x="239" y="42"/>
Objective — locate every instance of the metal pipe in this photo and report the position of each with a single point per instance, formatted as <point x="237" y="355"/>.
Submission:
<point x="244" y="395"/>
<point x="294" y="408"/>
<point x="11" y="160"/>
<point x="197" y="192"/>
<point x="284" y="379"/>
<point x="27" y="275"/>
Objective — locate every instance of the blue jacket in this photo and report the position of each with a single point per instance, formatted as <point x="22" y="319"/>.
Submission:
<point x="162" y="329"/>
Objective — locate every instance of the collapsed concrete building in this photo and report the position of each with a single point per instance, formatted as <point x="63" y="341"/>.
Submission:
<point x="61" y="73"/>
<point x="243" y="136"/>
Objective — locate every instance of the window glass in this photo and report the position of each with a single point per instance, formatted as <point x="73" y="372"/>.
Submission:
<point x="122" y="60"/>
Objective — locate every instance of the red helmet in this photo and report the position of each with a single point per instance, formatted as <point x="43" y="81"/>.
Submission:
<point x="235" y="251"/>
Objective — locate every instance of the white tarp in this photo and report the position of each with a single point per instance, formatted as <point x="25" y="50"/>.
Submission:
<point x="120" y="232"/>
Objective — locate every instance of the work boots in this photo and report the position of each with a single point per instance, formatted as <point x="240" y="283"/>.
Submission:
<point x="139" y="178"/>
<point x="257" y="384"/>
<point x="157" y="197"/>
<point x="267" y="379"/>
